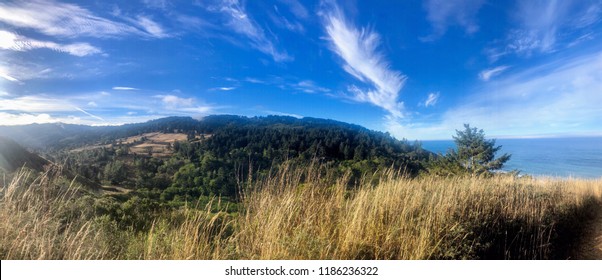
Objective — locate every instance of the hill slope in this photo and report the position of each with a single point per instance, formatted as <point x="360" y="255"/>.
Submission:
<point x="218" y="154"/>
<point x="13" y="156"/>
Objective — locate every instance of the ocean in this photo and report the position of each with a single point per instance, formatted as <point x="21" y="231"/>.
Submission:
<point x="557" y="157"/>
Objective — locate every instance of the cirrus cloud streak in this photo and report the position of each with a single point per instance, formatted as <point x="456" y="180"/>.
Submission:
<point x="359" y="50"/>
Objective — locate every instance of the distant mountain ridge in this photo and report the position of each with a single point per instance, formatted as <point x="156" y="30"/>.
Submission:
<point x="44" y="136"/>
<point x="55" y="136"/>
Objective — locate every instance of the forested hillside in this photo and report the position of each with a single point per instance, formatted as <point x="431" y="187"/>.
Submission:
<point x="220" y="154"/>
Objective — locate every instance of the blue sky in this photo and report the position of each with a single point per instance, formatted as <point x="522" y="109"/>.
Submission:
<point x="417" y="69"/>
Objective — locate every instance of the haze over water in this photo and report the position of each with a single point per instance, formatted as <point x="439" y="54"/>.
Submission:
<point x="559" y="157"/>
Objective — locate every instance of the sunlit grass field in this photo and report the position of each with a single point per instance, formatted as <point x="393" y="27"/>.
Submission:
<point x="306" y="213"/>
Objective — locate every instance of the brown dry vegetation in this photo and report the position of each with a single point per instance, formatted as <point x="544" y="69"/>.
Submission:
<point x="156" y="137"/>
<point x="155" y="142"/>
<point x="305" y="214"/>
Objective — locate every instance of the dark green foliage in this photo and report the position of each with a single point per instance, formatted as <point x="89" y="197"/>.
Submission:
<point x="476" y="153"/>
<point x="473" y="155"/>
<point x="115" y="172"/>
<point x="446" y="165"/>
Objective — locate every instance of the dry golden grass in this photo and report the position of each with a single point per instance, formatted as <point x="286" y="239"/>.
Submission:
<point x="201" y="235"/>
<point x="425" y="218"/>
<point x="38" y="221"/>
<point x="153" y="137"/>
<point x="308" y="214"/>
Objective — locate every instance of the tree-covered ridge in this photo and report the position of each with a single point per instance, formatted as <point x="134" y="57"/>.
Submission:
<point x="261" y="144"/>
<point x="223" y="153"/>
<point x="56" y="136"/>
<point x="279" y="138"/>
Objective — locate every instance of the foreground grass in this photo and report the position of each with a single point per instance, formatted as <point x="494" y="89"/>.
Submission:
<point x="307" y="214"/>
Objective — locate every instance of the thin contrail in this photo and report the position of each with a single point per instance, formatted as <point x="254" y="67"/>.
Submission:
<point x="91" y="115"/>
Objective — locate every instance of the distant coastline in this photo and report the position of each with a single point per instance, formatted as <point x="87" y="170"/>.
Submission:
<point x="577" y="157"/>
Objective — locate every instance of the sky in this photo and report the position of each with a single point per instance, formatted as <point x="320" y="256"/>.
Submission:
<point x="415" y="69"/>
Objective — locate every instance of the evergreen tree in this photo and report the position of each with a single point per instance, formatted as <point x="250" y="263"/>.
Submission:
<point x="475" y="153"/>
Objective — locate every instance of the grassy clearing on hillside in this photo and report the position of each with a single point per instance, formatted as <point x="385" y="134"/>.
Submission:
<point x="153" y="143"/>
<point x="306" y="214"/>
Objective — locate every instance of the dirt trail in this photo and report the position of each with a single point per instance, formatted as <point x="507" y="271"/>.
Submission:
<point x="590" y="248"/>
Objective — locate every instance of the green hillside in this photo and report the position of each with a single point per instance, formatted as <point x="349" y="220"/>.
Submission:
<point x="220" y="154"/>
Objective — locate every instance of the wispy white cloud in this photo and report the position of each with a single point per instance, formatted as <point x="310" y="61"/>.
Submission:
<point x="7" y="118"/>
<point x="289" y="84"/>
<point x="28" y="118"/>
<point x="283" y="22"/>
<point x="59" y="103"/>
<point x="591" y="15"/>
<point x="34" y="103"/>
<point x="254" y="81"/>
<point x="309" y="86"/>
<point x="69" y="20"/>
<point x="151" y="27"/>
<point x="11" y="41"/>
<point x="239" y="21"/>
<point x="38" y="109"/>
<point x="432" y="99"/>
<point x="157" y="4"/>
<point x="202" y="110"/>
<point x="172" y="101"/>
<point x="97" y="108"/>
<point x="583" y="38"/>
<point x="222" y="88"/>
<point x="194" y="23"/>
<point x="359" y="50"/>
<point x="297" y="8"/>
<point x="8" y="40"/>
<point x="561" y="97"/>
<point x="125" y="88"/>
<point x="29" y="69"/>
<point x="9" y="77"/>
<point x="487" y="74"/>
<point x="277" y="113"/>
<point x="443" y="13"/>
<point x="540" y="24"/>
<point x="173" y="104"/>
